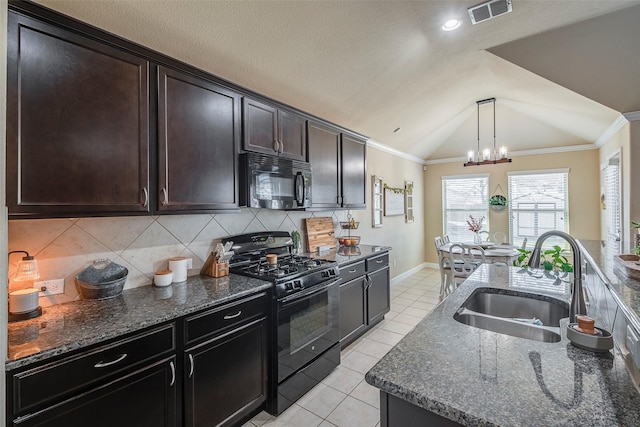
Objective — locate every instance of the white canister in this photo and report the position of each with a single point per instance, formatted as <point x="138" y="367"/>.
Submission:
<point x="179" y="266"/>
<point x="23" y="301"/>
<point x="163" y="278"/>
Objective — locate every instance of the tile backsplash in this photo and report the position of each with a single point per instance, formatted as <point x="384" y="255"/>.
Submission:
<point x="143" y="244"/>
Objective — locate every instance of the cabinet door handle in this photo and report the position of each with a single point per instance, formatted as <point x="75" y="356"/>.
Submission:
<point x="145" y="197"/>
<point x="165" y="196"/>
<point x="276" y="146"/>
<point x="102" y="364"/>
<point x="379" y="261"/>
<point x="232" y="316"/>
<point x="190" y="365"/>
<point x="173" y="374"/>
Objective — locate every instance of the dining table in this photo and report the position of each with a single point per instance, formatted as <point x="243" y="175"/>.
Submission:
<point x="493" y="252"/>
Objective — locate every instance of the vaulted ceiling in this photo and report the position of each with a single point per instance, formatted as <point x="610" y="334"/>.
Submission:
<point x="558" y="69"/>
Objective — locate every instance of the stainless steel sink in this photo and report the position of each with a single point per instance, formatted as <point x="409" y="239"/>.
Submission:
<point x="497" y="310"/>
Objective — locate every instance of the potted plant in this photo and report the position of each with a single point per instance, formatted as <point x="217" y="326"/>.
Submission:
<point x="497" y="202"/>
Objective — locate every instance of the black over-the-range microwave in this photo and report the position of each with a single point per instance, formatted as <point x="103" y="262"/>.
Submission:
<point x="274" y="182"/>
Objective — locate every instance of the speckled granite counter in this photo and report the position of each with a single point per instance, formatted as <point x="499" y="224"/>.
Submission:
<point x="625" y="290"/>
<point x="347" y="255"/>
<point x="66" y="327"/>
<point x="481" y="378"/>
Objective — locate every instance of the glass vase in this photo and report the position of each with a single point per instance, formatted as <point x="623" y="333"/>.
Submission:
<point x="476" y="238"/>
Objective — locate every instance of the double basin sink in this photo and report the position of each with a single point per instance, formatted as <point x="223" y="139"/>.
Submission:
<point x="519" y="314"/>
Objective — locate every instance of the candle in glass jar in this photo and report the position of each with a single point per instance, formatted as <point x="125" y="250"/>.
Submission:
<point x="486" y="154"/>
<point x="503" y="152"/>
<point x="470" y="156"/>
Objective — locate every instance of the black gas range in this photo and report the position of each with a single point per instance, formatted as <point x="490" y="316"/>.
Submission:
<point x="305" y="312"/>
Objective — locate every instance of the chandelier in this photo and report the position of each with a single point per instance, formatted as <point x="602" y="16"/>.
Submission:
<point x="486" y="157"/>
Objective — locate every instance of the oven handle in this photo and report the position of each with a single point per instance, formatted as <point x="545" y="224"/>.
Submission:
<point x="308" y="292"/>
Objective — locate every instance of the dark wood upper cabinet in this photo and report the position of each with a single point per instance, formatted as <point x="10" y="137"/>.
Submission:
<point x="324" y="156"/>
<point x="77" y="124"/>
<point x="338" y="162"/>
<point x="198" y="136"/>
<point x="354" y="172"/>
<point x="270" y="130"/>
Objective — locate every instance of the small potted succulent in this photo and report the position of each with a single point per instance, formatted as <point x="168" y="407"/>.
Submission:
<point x="497" y="202"/>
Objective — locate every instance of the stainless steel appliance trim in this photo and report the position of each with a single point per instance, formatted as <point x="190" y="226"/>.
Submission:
<point x="309" y="291"/>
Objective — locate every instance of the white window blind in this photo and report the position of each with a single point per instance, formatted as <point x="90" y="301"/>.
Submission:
<point x="463" y="196"/>
<point x="538" y="202"/>
<point x="611" y="202"/>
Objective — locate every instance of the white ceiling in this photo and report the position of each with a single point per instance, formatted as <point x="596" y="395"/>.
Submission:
<point x="373" y="66"/>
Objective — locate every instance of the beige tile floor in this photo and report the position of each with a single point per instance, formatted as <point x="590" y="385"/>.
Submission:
<point x="344" y="399"/>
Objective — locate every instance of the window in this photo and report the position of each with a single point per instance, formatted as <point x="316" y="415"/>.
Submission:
<point x="611" y="204"/>
<point x="538" y="202"/>
<point x="463" y="196"/>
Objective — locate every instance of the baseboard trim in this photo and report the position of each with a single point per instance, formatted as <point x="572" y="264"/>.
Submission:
<point x="400" y="277"/>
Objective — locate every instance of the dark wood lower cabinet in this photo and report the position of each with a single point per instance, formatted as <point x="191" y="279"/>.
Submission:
<point x="226" y="377"/>
<point x="395" y="412"/>
<point x="353" y="320"/>
<point x="146" y="397"/>
<point x="365" y="299"/>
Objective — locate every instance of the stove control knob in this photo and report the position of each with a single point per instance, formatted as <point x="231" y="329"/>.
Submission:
<point x="325" y="273"/>
<point x="297" y="284"/>
<point x="288" y="286"/>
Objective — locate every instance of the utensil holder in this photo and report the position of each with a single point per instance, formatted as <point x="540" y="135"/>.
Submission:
<point x="214" y="268"/>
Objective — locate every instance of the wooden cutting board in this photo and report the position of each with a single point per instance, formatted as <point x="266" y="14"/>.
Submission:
<point x="320" y="232"/>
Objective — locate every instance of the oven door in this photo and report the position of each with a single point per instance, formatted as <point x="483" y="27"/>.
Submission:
<point x="308" y="325"/>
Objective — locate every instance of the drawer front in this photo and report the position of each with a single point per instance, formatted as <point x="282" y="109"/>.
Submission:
<point x="377" y="262"/>
<point x="69" y="376"/>
<point x="351" y="271"/>
<point x="223" y="318"/>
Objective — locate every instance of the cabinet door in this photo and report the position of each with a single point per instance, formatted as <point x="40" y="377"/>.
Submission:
<point x="324" y="152"/>
<point x="354" y="172"/>
<point x="353" y="320"/>
<point x="226" y="378"/>
<point x="77" y="123"/>
<point x="198" y="133"/>
<point x="144" y="398"/>
<point x="260" y="123"/>
<point x="292" y="135"/>
<point x="378" y="295"/>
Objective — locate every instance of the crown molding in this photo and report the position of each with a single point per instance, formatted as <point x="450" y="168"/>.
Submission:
<point x="535" y="152"/>
<point x="612" y="130"/>
<point x="632" y="116"/>
<point x="398" y="153"/>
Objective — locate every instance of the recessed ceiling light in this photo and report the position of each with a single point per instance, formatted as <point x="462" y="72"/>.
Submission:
<point x="451" y="24"/>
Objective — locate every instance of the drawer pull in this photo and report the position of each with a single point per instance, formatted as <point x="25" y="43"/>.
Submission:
<point x="379" y="261"/>
<point x="173" y="374"/>
<point x="353" y="271"/>
<point x="232" y="316"/>
<point x="190" y="366"/>
<point x="102" y="364"/>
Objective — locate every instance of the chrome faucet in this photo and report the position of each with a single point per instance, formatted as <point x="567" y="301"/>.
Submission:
<point x="577" y="305"/>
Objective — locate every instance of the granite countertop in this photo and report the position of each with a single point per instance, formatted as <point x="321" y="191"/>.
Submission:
<point x="74" y="325"/>
<point x="481" y="378"/>
<point x="625" y="290"/>
<point x="347" y="255"/>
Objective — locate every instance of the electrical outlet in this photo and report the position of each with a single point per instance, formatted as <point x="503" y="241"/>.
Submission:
<point x="53" y="287"/>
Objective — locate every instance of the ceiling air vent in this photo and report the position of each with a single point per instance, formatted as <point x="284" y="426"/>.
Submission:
<point x="488" y="10"/>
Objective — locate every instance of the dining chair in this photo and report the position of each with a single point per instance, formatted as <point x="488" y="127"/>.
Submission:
<point x="483" y="232"/>
<point x="498" y="237"/>
<point x="463" y="261"/>
<point x="445" y="239"/>
<point x="445" y="270"/>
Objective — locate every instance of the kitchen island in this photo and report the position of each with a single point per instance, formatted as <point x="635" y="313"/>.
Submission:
<point x="450" y="373"/>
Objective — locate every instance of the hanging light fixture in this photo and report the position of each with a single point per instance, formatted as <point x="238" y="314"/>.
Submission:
<point x="486" y="157"/>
